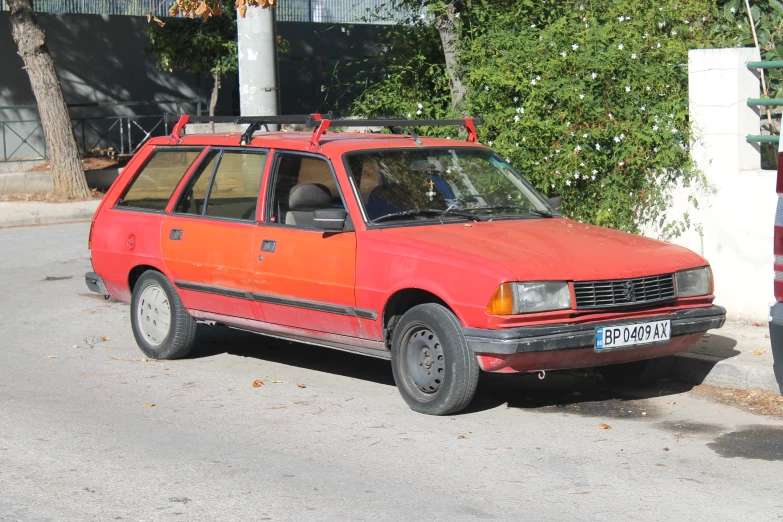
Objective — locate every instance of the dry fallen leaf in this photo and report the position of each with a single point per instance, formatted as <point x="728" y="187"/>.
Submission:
<point x="51" y="357"/>
<point x="149" y="405"/>
<point x="671" y="402"/>
<point x="75" y="346"/>
<point x="665" y="449"/>
<point x="604" y="426"/>
<point x="257" y="384"/>
<point x="758" y="352"/>
<point x="143" y="359"/>
<point x="301" y="385"/>
<point x="463" y="436"/>
<point x="275" y="381"/>
<point x="661" y="465"/>
<point x="104" y="338"/>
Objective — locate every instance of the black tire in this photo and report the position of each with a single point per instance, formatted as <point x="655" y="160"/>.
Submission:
<point x="432" y="336"/>
<point x="644" y="372"/>
<point x="181" y="335"/>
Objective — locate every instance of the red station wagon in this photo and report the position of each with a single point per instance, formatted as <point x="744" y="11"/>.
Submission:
<point x="433" y="253"/>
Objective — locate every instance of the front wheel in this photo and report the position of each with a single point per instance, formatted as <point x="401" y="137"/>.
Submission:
<point x="434" y="369"/>
<point x="161" y="325"/>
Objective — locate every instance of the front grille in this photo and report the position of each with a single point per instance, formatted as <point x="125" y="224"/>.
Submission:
<point x="624" y="292"/>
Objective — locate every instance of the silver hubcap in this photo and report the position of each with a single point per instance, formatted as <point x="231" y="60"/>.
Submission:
<point x="424" y="356"/>
<point x="154" y="314"/>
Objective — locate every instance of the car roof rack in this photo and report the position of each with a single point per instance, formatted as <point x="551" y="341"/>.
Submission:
<point x="320" y="123"/>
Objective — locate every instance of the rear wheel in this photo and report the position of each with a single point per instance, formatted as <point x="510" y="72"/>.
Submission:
<point x="161" y="325"/>
<point x="434" y="369"/>
<point x="648" y="371"/>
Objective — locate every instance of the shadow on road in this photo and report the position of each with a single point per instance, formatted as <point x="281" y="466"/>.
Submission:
<point x="578" y="392"/>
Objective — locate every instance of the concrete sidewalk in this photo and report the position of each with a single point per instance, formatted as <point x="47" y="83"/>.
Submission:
<point x="736" y="356"/>
<point x="25" y="213"/>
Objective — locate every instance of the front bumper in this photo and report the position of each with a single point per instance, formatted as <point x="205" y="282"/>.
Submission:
<point x="549" y="338"/>
<point x="95" y="283"/>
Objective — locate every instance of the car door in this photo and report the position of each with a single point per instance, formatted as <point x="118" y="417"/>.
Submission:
<point x="207" y="240"/>
<point x="304" y="277"/>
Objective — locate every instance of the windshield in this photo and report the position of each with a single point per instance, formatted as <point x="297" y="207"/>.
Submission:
<point x="438" y="184"/>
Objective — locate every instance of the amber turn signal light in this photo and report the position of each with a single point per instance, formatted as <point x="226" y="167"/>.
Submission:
<point x="502" y="301"/>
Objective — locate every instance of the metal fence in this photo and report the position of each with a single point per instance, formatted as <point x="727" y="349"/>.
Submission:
<point x="23" y="139"/>
<point x="327" y="11"/>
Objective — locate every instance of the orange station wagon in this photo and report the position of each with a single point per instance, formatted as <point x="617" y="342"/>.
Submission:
<point x="433" y="253"/>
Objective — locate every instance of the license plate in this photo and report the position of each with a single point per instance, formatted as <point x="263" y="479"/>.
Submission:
<point x="610" y="337"/>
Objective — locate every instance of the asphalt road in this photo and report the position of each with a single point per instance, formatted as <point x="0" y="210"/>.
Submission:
<point x="90" y="431"/>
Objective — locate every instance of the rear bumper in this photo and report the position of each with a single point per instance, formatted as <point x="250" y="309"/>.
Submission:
<point x="550" y="338"/>
<point x="776" y="340"/>
<point x="95" y="283"/>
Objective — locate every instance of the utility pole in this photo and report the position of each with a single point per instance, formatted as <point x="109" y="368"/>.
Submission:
<point x="257" y="63"/>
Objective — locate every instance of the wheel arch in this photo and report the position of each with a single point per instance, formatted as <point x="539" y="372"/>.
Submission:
<point x="136" y="272"/>
<point x="403" y="300"/>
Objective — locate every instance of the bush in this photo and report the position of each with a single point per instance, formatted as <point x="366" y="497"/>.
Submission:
<point x="589" y="100"/>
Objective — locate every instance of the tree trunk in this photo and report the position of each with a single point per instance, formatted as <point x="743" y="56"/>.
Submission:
<point x="67" y="169"/>
<point x="215" y="90"/>
<point x="445" y="22"/>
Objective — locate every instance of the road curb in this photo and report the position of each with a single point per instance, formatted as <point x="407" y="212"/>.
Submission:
<point x="694" y="368"/>
<point x="27" y="213"/>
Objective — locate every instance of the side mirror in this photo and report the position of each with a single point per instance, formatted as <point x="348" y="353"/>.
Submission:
<point x="331" y="219"/>
<point x="557" y="204"/>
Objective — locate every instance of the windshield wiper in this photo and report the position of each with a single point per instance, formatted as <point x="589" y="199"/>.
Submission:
<point x="423" y="212"/>
<point x="528" y="210"/>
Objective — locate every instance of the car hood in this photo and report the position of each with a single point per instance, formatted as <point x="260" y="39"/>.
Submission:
<point x="552" y="248"/>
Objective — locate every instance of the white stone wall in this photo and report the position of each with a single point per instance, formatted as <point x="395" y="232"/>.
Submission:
<point x="733" y="226"/>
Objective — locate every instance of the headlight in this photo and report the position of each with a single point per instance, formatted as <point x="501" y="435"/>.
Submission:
<point x="525" y="298"/>
<point x="697" y="281"/>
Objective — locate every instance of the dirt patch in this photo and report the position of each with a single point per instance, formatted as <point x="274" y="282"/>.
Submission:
<point x="686" y="427"/>
<point x="57" y="278"/>
<point x="98" y="163"/>
<point x="753" y="401"/>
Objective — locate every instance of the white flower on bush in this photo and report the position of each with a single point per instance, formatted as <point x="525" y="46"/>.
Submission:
<point x="584" y="135"/>
<point x="621" y="47"/>
<point x="674" y="33"/>
<point x="593" y="76"/>
<point x="576" y="174"/>
<point x="577" y="148"/>
<point x="627" y="88"/>
<point x="553" y="185"/>
<point x="532" y="26"/>
<point x="581" y="96"/>
<point x="486" y="87"/>
<point x="516" y="99"/>
<point x="674" y="131"/>
<point x="418" y="111"/>
<point x="622" y="18"/>
<point x="644" y="108"/>
<point x="597" y="146"/>
<point x="568" y="182"/>
<point x="572" y="134"/>
<point x="659" y="45"/>
<point x="661" y="24"/>
<point x="533" y="81"/>
<point x="622" y="136"/>
<point x="655" y="128"/>
<point x="574" y="46"/>
<point x="563" y="54"/>
<point x="655" y="149"/>
<point x="489" y="143"/>
<point x="419" y="105"/>
<point x="611" y="117"/>
<point x="621" y="163"/>
<point x="516" y="119"/>
<point x="648" y="87"/>
<point x="520" y="110"/>
<point x="733" y="9"/>
<point x="617" y="139"/>
<point x="633" y="56"/>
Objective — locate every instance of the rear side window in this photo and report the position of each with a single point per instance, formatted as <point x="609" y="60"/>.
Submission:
<point x="153" y="186"/>
<point x="226" y="185"/>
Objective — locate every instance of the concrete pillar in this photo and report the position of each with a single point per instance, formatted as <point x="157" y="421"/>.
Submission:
<point x="733" y="224"/>
<point x="719" y="85"/>
<point x="257" y="63"/>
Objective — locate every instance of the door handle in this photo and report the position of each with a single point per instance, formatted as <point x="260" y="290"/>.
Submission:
<point x="175" y="234"/>
<point x="268" y="245"/>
